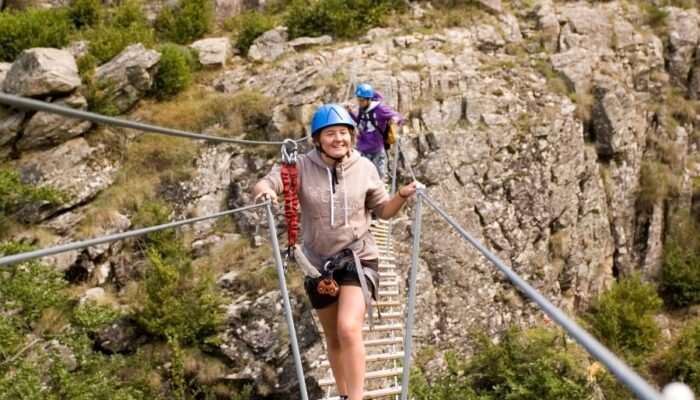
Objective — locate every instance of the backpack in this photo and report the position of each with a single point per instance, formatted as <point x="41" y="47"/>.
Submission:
<point x="388" y="134"/>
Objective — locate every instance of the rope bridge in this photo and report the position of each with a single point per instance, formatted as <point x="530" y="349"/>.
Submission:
<point x="393" y="340"/>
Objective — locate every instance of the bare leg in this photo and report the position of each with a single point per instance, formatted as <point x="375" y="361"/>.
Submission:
<point x="351" y="313"/>
<point x="329" y="320"/>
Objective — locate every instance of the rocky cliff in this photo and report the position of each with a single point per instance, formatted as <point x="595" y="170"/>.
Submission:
<point x="531" y="127"/>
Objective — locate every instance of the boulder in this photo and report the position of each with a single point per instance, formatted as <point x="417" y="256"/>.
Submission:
<point x="213" y="52"/>
<point x="48" y="129"/>
<point x="10" y="126"/>
<point x="270" y="46"/>
<point x="492" y="6"/>
<point x="120" y="337"/>
<point x="306" y="42"/>
<point x="42" y="72"/>
<point x="576" y="68"/>
<point x="78" y="48"/>
<point x="128" y="76"/>
<point x="74" y="167"/>
<point x="4" y="67"/>
<point x="683" y="38"/>
<point x="488" y="38"/>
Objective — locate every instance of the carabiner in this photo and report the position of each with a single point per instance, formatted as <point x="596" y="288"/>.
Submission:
<point x="289" y="156"/>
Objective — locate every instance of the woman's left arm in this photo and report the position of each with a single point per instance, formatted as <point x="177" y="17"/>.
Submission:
<point x="396" y="202"/>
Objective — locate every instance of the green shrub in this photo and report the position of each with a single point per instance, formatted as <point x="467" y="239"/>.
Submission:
<point x="682" y="360"/>
<point x="531" y="365"/>
<point x="86" y="12"/>
<point x="341" y="18"/>
<point x="623" y="318"/>
<point x="191" y="20"/>
<point x="174" y="71"/>
<point x="249" y="26"/>
<point x="128" y="13"/>
<point x="656" y="183"/>
<point x="33" y="28"/>
<point x="179" y="306"/>
<point x="680" y="273"/>
<point x="14" y="194"/>
<point x="108" y="41"/>
<point x="253" y="109"/>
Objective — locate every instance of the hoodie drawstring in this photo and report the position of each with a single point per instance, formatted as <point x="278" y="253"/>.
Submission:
<point x="332" y="181"/>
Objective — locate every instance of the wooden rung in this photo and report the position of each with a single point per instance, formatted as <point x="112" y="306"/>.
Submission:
<point x="388" y="293"/>
<point x="388" y="283"/>
<point x="383" y="341"/>
<point x="388" y="275"/>
<point x="391" y="303"/>
<point x="381" y="328"/>
<point x="383" y="373"/>
<point x="387" y="315"/>
<point x="372" y="358"/>
<point x="373" y="394"/>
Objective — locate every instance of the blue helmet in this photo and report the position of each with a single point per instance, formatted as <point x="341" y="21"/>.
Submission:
<point x="329" y="115"/>
<point x="364" y="90"/>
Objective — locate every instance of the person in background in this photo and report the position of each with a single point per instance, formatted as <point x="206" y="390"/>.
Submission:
<point x="337" y="190"/>
<point x="373" y="119"/>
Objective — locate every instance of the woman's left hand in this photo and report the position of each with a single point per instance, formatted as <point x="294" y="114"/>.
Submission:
<point x="408" y="190"/>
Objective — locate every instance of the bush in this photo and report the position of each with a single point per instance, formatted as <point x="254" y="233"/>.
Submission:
<point x="106" y="42"/>
<point x="249" y="26"/>
<point x="14" y="195"/>
<point x="680" y="273"/>
<point x="535" y="364"/>
<point x="623" y="318"/>
<point x="128" y="13"/>
<point x="191" y="20"/>
<point x="179" y="306"/>
<point x="656" y="183"/>
<point x="682" y="360"/>
<point x="174" y="72"/>
<point x="33" y="28"/>
<point x="341" y="18"/>
<point x="86" y="12"/>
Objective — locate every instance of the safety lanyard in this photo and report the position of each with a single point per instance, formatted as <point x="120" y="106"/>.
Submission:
<point x="291" y="199"/>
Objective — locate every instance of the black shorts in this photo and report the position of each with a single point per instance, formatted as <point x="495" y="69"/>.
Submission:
<point x="344" y="278"/>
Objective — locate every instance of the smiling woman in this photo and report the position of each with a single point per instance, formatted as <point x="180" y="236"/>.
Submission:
<point x="337" y="191"/>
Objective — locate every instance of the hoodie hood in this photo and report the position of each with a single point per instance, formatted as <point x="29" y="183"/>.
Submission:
<point x="376" y="101"/>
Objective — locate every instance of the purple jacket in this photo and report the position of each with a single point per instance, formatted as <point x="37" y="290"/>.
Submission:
<point x="369" y="137"/>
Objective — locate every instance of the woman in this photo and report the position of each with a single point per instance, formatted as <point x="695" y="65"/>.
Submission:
<point x="337" y="191"/>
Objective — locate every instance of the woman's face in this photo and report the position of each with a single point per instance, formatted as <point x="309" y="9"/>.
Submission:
<point x="363" y="102"/>
<point x="335" y="140"/>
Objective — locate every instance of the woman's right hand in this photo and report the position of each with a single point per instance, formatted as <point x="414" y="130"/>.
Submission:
<point x="264" y="195"/>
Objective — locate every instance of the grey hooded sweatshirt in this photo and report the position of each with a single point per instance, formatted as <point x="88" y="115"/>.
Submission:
<point x="332" y="219"/>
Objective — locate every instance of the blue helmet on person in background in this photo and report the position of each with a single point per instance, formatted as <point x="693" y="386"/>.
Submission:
<point x="329" y="115"/>
<point x="364" y="90"/>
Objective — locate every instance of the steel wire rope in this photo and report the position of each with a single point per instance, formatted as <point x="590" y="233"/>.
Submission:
<point x="622" y="372"/>
<point x="117" y="236"/>
<point x="32" y="104"/>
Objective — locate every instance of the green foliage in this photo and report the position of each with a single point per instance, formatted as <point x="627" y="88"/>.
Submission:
<point x="90" y="316"/>
<point x="341" y="18"/>
<point x="179" y="306"/>
<point x="682" y="360"/>
<point x="165" y="241"/>
<point x="253" y="109"/>
<point x="623" y="318"/>
<point x="14" y="194"/>
<point x="656" y="183"/>
<point x="86" y="12"/>
<point x="680" y="274"/>
<point x="33" y="28"/>
<point x="535" y="364"/>
<point x="128" y="13"/>
<point x="249" y="26"/>
<point x="174" y="71"/>
<point x="190" y="20"/>
<point x="106" y="42"/>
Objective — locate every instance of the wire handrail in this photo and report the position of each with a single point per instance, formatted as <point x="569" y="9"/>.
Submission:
<point x="26" y="103"/>
<point x="641" y="388"/>
<point x="117" y="236"/>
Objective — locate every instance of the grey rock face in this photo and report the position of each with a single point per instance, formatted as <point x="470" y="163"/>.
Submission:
<point x="10" y="126"/>
<point x="74" y="167"/>
<point x="129" y="76"/>
<point x="213" y="52"/>
<point x="683" y="39"/>
<point x="576" y="67"/>
<point x="4" y="67"/>
<point x="270" y="46"/>
<point x="48" y="129"/>
<point x="42" y="72"/>
<point x="305" y="42"/>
